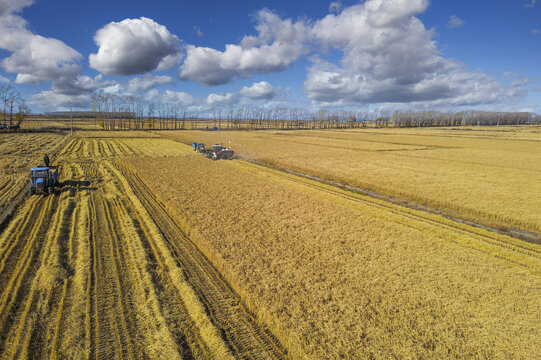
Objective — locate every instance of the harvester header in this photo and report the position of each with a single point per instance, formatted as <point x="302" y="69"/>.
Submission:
<point x="217" y="152"/>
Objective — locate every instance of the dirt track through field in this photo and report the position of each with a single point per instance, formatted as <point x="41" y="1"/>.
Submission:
<point x="101" y="271"/>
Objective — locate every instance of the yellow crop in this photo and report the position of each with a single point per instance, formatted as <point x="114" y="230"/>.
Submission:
<point x="488" y="175"/>
<point x="90" y="272"/>
<point x="341" y="275"/>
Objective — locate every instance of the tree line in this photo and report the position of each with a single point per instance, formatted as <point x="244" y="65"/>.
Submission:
<point x="13" y="107"/>
<point x="114" y="112"/>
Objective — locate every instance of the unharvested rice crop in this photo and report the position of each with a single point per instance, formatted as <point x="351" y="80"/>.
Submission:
<point x="486" y="175"/>
<point x="340" y="275"/>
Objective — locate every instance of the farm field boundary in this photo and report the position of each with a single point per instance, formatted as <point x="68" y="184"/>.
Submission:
<point x="530" y="237"/>
<point x="477" y="237"/>
<point x="449" y="214"/>
<point x="243" y="332"/>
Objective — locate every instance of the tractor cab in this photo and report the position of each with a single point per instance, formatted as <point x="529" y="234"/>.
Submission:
<point x="43" y="179"/>
<point x="198" y="147"/>
<point x="217" y="148"/>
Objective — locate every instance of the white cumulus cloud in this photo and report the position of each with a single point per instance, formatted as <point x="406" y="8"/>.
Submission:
<point x="221" y="99"/>
<point x="34" y="58"/>
<point x="259" y="91"/>
<point x="134" y="46"/>
<point x="12" y="6"/>
<point x="50" y="100"/>
<point x="146" y="82"/>
<point x="335" y="6"/>
<point x="179" y="97"/>
<point x="390" y="57"/>
<point x="37" y="59"/>
<point x="279" y="44"/>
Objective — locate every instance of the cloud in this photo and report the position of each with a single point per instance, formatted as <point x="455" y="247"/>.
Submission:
<point x="133" y="46"/>
<point x="516" y="80"/>
<point x="390" y="57"/>
<point x="179" y="97"/>
<point x="198" y="31"/>
<point x="530" y="4"/>
<point x="455" y="22"/>
<point x="536" y="31"/>
<point x="37" y="59"/>
<point x="3" y="79"/>
<point x="50" y="100"/>
<point x="34" y="58"/>
<point x="277" y="46"/>
<point x="12" y="6"/>
<point x="335" y="6"/>
<point x="221" y="99"/>
<point x="77" y="84"/>
<point x="259" y="91"/>
<point x="146" y="82"/>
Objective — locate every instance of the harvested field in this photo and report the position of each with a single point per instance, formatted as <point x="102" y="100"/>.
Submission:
<point x="340" y="275"/>
<point x="18" y="153"/>
<point x="43" y="124"/>
<point x="149" y="250"/>
<point x="486" y="175"/>
<point x="99" y="147"/>
<point x="96" y="273"/>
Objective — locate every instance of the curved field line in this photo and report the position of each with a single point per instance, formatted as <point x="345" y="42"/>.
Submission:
<point x="195" y="327"/>
<point x="26" y="321"/>
<point x="15" y="227"/>
<point x="126" y="341"/>
<point x="11" y="289"/>
<point x="501" y="246"/>
<point x="246" y="336"/>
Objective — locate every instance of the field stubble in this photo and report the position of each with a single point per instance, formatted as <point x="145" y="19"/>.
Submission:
<point x="88" y="274"/>
<point x="340" y="275"/>
<point x="18" y="153"/>
<point x="486" y="175"/>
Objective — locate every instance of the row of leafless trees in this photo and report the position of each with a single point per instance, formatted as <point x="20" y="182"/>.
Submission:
<point x="13" y="106"/>
<point x="128" y="112"/>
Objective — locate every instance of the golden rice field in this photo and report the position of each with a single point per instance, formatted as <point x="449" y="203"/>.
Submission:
<point x="487" y="175"/>
<point x="36" y="124"/>
<point x="18" y="153"/>
<point x="42" y="124"/>
<point x="151" y="251"/>
<point x="340" y="275"/>
<point x="100" y="271"/>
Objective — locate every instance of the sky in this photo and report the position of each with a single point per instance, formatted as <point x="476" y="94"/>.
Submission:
<point x="351" y="55"/>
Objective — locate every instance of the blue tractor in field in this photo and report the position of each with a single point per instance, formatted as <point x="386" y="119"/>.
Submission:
<point x="43" y="179"/>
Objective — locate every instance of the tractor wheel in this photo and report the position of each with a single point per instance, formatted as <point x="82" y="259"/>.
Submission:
<point x="30" y="191"/>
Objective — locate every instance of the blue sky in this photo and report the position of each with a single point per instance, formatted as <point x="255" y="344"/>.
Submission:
<point x="357" y="55"/>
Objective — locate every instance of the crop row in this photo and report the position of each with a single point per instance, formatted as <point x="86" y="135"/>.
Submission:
<point x="89" y="273"/>
<point x="336" y="275"/>
<point x="490" y="178"/>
